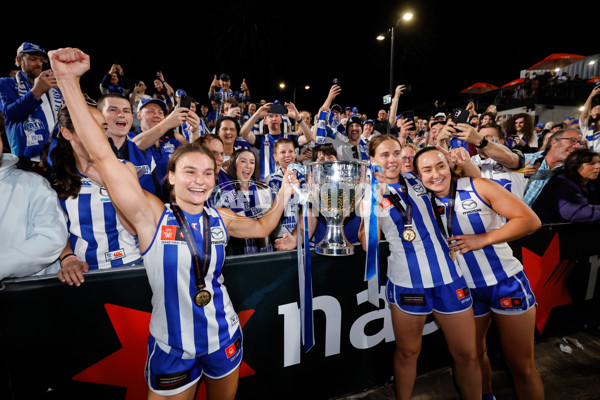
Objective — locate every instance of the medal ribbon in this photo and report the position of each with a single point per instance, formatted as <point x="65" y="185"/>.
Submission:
<point x="200" y="263"/>
<point x="449" y="211"/>
<point x="395" y="199"/>
<point x="370" y="221"/>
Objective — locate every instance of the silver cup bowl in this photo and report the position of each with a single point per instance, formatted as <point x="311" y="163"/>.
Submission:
<point x="336" y="188"/>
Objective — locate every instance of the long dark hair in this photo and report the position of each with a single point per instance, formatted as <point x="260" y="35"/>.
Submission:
<point x="575" y="160"/>
<point x="232" y="168"/>
<point x="64" y="178"/>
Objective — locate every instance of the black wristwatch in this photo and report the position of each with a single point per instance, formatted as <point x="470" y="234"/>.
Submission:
<point x="484" y="142"/>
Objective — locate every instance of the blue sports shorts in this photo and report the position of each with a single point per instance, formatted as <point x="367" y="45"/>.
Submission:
<point x="168" y="375"/>
<point x="511" y="296"/>
<point x="446" y="299"/>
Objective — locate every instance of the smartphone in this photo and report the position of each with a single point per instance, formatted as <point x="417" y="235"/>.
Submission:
<point x="185" y="102"/>
<point x="460" y="116"/>
<point x="278" y="108"/>
<point x="336" y="81"/>
<point x="410" y="115"/>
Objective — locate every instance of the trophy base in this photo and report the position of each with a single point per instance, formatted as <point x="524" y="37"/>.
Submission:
<point x="334" y="250"/>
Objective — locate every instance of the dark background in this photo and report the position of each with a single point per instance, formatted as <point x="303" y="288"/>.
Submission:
<point x="446" y="48"/>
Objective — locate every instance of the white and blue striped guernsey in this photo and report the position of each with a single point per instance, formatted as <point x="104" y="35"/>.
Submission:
<point x="95" y="233"/>
<point x="424" y="262"/>
<point x="180" y="327"/>
<point x="472" y="215"/>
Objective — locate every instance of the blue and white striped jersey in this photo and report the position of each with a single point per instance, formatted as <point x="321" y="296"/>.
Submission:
<point x="487" y="266"/>
<point x="424" y="262"/>
<point x="95" y="232"/>
<point x="179" y="326"/>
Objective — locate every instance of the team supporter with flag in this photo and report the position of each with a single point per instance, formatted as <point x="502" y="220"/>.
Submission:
<point x="423" y="277"/>
<point x="471" y="212"/>
<point x="194" y="330"/>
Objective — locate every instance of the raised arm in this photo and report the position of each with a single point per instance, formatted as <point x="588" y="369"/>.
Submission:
<point x="308" y="134"/>
<point x="246" y="129"/>
<point x="497" y="152"/>
<point x="139" y="207"/>
<point x="146" y="139"/>
<point x="394" y="106"/>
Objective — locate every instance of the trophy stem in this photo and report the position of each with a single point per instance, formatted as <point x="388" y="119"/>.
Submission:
<point x="334" y="243"/>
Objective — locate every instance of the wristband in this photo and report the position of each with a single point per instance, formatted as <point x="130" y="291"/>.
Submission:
<point x="65" y="257"/>
<point x="484" y="142"/>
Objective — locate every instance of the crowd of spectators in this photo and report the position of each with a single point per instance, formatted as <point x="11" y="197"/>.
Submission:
<point x="252" y="140"/>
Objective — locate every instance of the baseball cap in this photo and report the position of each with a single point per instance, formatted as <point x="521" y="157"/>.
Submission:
<point x="369" y="121"/>
<point x="145" y="102"/>
<point x="336" y="107"/>
<point x="224" y="77"/>
<point x="27" y="47"/>
<point x="180" y="92"/>
<point x="540" y="125"/>
<point x="354" y="119"/>
<point x="440" y="115"/>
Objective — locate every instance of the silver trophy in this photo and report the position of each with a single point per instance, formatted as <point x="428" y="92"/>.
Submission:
<point x="336" y="188"/>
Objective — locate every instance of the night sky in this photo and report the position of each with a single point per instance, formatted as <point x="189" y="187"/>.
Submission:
<point x="446" y="48"/>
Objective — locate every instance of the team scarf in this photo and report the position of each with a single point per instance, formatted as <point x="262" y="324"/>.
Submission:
<point x="328" y="125"/>
<point x="36" y="127"/>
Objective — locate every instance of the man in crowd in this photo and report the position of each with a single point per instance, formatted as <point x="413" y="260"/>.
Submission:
<point x="273" y="118"/>
<point x="119" y="118"/>
<point x="220" y="90"/>
<point x="30" y="101"/>
<point x="539" y="165"/>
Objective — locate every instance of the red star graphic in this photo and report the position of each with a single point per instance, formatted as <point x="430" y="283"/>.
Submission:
<point x="547" y="276"/>
<point x="125" y="367"/>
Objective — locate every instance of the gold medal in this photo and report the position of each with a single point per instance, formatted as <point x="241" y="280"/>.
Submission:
<point x="409" y="234"/>
<point x="202" y="298"/>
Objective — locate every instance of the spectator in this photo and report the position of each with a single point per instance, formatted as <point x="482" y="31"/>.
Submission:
<point x="157" y="136"/>
<point x="538" y="165"/>
<point x="99" y="238"/>
<point x="382" y="123"/>
<point x="496" y="161"/>
<point x="407" y="156"/>
<point x="115" y="81"/>
<point x="34" y="228"/>
<point x="487" y="117"/>
<point x="368" y="130"/>
<point x="119" y="118"/>
<point x="572" y="193"/>
<point x="163" y="91"/>
<point x="225" y="91"/>
<point x="223" y="190"/>
<point x="265" y="143"/>
<point x="355" y="149"/>
<point x="434" y="129"/>
<point x="590" y="115"/>
<point x="520" y="133"/>
<point x="29" y="103"/>
<point x="284" y="154"/>
<point x="228" y="129"/>
<point x="137" y="94"/>
<point x="252" y="199"/>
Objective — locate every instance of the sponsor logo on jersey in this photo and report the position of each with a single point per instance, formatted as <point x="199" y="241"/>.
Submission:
<point x="114" y="255"/>
<point x="170" y="234"/>
<point x="217" y="235"/>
